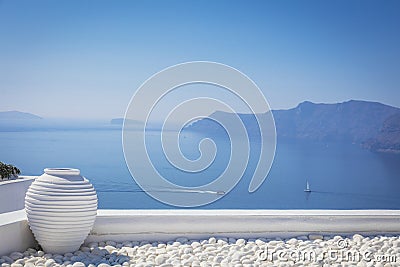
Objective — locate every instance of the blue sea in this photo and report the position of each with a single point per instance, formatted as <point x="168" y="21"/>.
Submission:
<point x="341" y="176"/>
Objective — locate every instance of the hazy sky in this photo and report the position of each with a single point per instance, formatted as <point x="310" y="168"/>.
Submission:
<point x="86" y="58"/>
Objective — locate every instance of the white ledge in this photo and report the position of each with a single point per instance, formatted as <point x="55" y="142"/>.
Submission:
<point x="162" y="225"/>
<point x="20" y="178"/>
<point x="241" y="212"/>
<point x="15" y="233"/>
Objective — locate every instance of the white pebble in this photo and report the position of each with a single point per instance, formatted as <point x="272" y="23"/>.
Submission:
<point x="160" y="259"/>
<point x="188" y="250"/>
<point x="315" y="237"/>
<point x="31" y="260"/>
<point x="210" y="248"/>
<point x="357" y="238"/>
<point x="176" y="244"/>
<point x="247" y="261"/>
<point x="218" y="259"/>
<point x="182" y="240"/>
<point x="78" y="264"/>
<point x="240" y="242"/>
<point x="206" y="252"/>
<point x="195" y="244"/>
<point x="49" y="263"/>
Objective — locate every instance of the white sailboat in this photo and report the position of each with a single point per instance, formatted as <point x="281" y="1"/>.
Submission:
<point x="308" y="190"/>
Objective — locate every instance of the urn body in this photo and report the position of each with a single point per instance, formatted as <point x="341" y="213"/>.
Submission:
<point x="61" y="208"/>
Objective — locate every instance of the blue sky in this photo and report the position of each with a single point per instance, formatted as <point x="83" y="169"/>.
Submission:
<point x="86" y="58"/>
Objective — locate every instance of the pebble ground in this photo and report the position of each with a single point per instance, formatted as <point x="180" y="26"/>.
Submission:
<point x="312" y="250"/>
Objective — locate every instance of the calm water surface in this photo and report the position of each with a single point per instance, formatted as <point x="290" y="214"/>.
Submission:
<point x="341" y="176"/>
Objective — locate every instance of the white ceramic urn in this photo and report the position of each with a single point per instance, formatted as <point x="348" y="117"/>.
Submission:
<point x="61" y="207"/>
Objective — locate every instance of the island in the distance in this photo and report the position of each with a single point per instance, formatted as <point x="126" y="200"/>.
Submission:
<point x="373" y="125"/>
<point x="17" y="115"/>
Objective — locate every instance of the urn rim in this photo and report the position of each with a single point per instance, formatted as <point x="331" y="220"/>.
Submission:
<point x="62" y="171"/>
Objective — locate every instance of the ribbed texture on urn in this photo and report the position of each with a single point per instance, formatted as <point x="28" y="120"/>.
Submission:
<point x="61" y="207"/>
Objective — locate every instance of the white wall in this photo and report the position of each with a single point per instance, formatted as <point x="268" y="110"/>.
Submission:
<point x="15" y="234"/>
<point x="12" y="193"/>
<point x="152" y="225"/>
<point x="162" y="225"/>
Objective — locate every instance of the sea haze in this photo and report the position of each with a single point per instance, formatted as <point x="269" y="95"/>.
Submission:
<point x="343" y="173"/>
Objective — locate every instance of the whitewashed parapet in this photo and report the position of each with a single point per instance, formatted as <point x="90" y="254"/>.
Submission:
<point x="12" y="193"/>
<point x="15" y="234"/>
<point x="161" y="225"/>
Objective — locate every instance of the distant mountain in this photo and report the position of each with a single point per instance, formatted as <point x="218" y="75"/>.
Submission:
<point x="371" y="124"/>
<point x="209" y="125"/>
<point x="16" y="121"/>
<point x="17" y="115"/>
<point x="353" y="121"/>
<point x="388" y="138"/>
